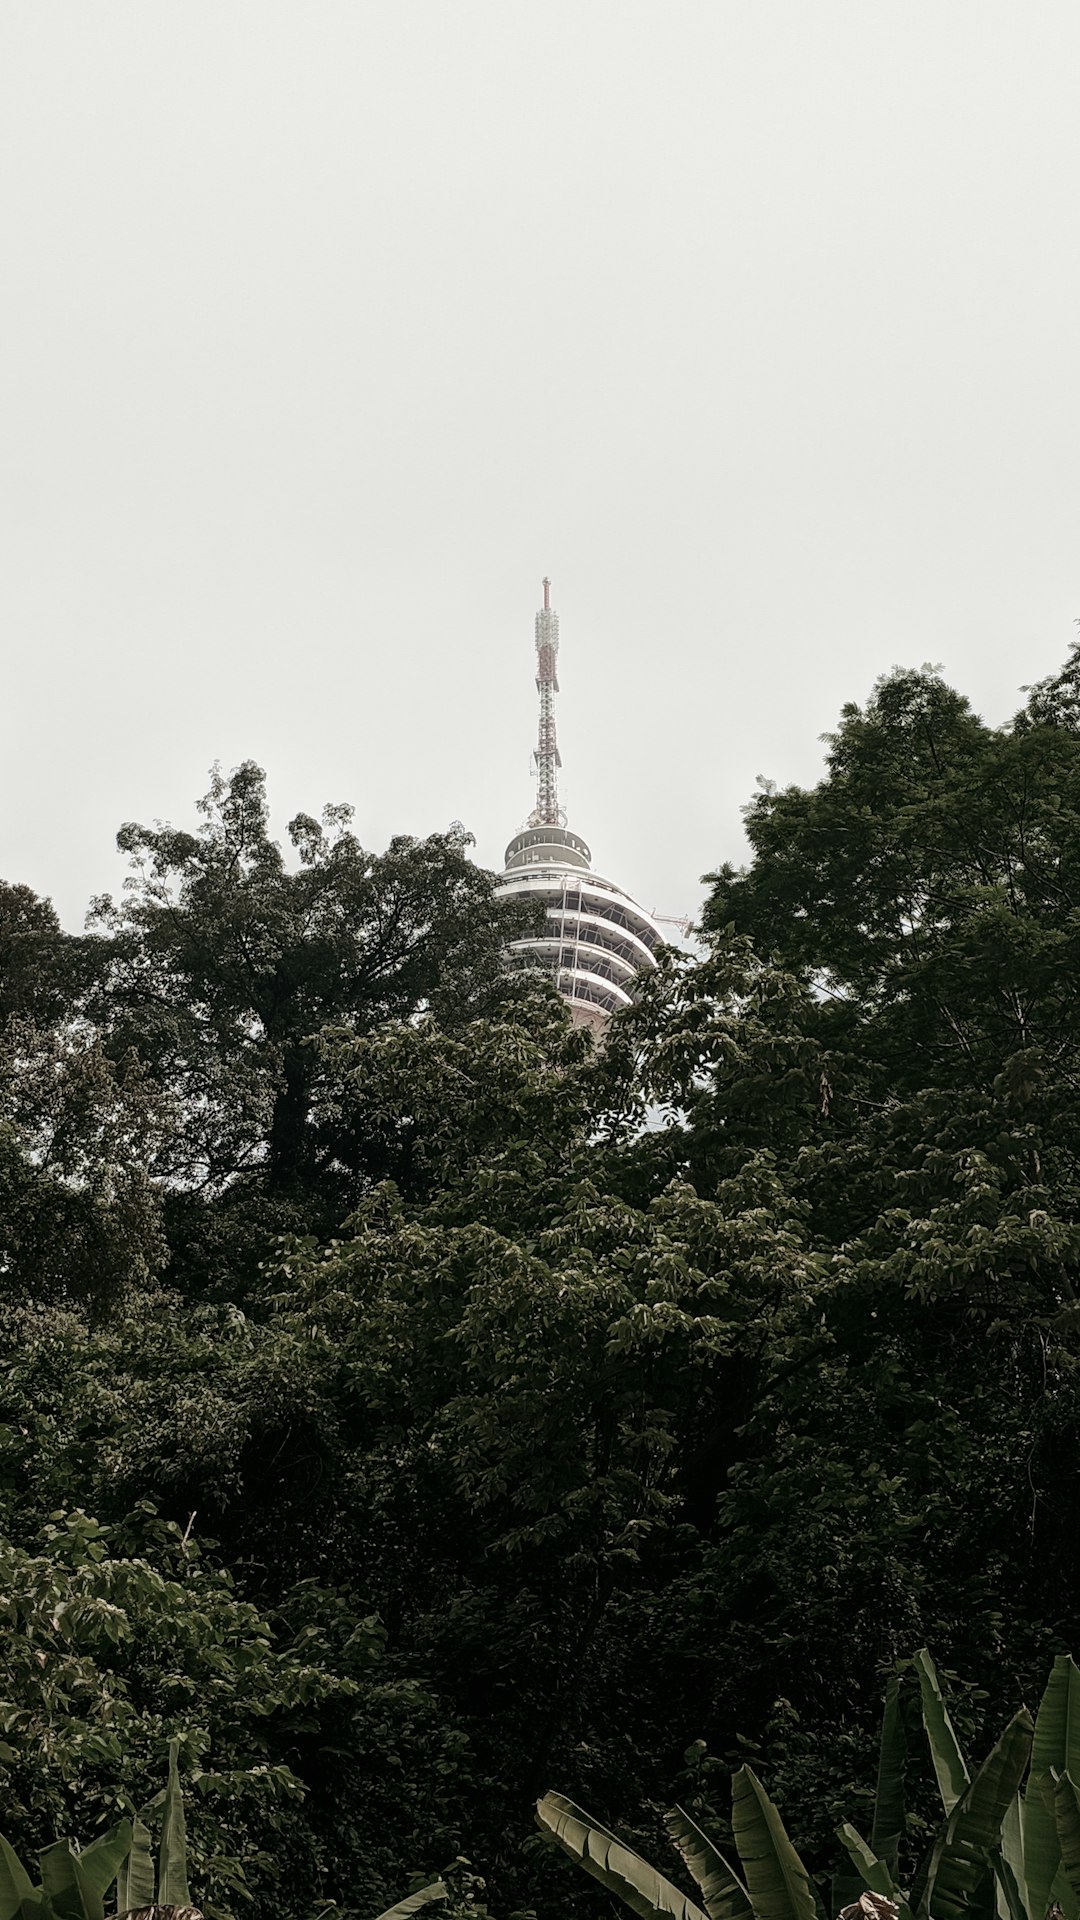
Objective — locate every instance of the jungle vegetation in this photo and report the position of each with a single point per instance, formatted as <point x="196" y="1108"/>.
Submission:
<point x="413" y="1411"/>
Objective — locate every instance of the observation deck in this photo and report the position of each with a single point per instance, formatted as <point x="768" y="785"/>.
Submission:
<point x="594" y="940"/>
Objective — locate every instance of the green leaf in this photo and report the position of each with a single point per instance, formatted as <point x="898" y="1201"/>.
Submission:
<point x="949" y="1763"/>
<point x="90" y="1900"/>
<point x="16" y="1886"/>
<point x="1056" y="1747"/>
<point x="959" y="1877"/>
<point x="99" y="1864"/>
<point x="1055" y="1750"/>
<point x="617" y="1867"/>
<point x="60" y="1882"/>
<point x="1067" y="1816"/>
<point x="172" y="1854"/>
<point x="778" y="1884"/>
<point x="874" y="1874"/>
<point x="1041" y="1845"/>
<point x="1009" y="1870"/>
<point x="435" y="1890"/>
<point x="135" y="1880"/>
<point x="722" y="1891"/>
<point x="889" y="1809"/>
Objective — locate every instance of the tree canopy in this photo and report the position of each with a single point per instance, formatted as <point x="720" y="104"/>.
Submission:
<point x="415" y="1408"/>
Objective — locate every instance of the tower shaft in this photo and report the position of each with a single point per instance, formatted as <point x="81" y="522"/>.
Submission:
<point x="546" y="811"/>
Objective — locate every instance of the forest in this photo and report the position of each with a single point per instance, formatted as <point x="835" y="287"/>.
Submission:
<point x="410" y="1409"/>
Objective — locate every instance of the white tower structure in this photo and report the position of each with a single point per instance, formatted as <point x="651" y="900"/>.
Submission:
<point x="594" y="938"/>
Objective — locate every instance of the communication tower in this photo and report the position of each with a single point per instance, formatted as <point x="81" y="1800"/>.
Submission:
<point x="594" y="939"/>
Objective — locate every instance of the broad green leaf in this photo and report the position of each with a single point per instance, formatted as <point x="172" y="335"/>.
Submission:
<point x="435" y="1890"/>
<point x="1009" y="1900"/>
<point x="15" y="1883"/>
<point x="722" y="1891"/>
<point x="1067" y="1816"/>
<point x="1009" y="1874"/>
<point x="59" y="1885"/>
<point x="1055" y="1750"/>
<point x="99" y="1864"/>
<point x="889" y="1821"/>
<point x="778" y="1884"/>
<point x="135" y="1881"/>
<point x="1056" y="1747"/>
<point x="1042" y="1848"/>
<point x="172" y="1853"/>
<point x="66" y="1889"/>
<point x="91" y="1901"/>
<point x="617" y="1867"/>
<point x="949" y="1764"/>
<point x="1061" y="1895"/>
<point x="959" y="1880"/>
<point x="874" y="1874"/>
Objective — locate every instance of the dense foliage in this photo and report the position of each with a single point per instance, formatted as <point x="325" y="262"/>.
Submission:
<point x="415" y="1409"/>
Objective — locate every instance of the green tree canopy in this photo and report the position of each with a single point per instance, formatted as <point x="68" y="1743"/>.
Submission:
<point x="222" y="966"/>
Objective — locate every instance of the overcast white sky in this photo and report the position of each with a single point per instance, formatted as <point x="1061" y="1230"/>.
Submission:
<point x="329" y="326"/>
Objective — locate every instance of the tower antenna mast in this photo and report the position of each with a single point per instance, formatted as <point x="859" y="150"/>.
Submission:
<point x="546" y="812"/>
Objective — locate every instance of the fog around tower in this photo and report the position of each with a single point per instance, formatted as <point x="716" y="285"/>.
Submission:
<point x="329" y="331"/>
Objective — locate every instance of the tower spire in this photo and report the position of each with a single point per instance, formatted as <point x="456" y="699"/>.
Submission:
<point x="546" y="812"/>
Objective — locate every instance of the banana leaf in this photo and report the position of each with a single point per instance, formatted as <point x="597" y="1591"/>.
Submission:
<point x="99" y="1864"/>
<point x="17" y="1891"/>
<point x="889" y="1811"/>
<point x="722" y="1891"/>
<point x="435" y="1890"/>
<point x="959" y="1881"/>
<point x="70" y="1893"/>
<point x="135" y="1880"/>
<point x="1055" y="1750"/>
<point x="872" y="1873"/>
<point x="1067" y="1815"/>
<point x="1009" y="1873"/>
<point x="776" y="1880"/>
<point x="949" y="1764"/>
<point x="617" y="1867"/>
<point x="1009" y="1903"/>
<point x="1042" y="1847"/>
<point x="63" y="1895"/>
<point x="172" y="1854"/>
<point x="1056" y="1747"/>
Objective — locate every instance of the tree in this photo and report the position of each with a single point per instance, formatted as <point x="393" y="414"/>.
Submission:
<point x="222" y="966"/>
<point x="928" y="887"/>
<point x="607" y="1384"/>
<point x="885" y="1022"/>
<point x="80" y="1217"/>
<point x="310" y="1772"/>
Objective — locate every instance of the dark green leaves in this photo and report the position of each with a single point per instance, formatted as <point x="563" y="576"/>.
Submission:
<point x="172" y="1858"/>
<point x="949" y="1763"/>
<point x="722" y="1891"/>
<point x="958" y="1882"/>
<point x="412" y="1903"/>
<point x="73" y="1884"/>
<point x="16" y="1886"/>
<point x="617" y="1867"/>
<point x="889" y="1811"/>
<point x="135" y="1882"/>
<point x="776" y="1880"/>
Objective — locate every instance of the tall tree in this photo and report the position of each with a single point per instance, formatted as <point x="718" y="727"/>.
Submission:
<point x="224" y="965"/>
<point x="930" y="884"/>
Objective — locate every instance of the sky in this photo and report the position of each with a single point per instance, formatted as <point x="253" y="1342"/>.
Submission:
<point x="330" y="326"/>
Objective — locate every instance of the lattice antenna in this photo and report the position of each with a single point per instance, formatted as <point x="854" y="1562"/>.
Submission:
<point x="547" y="812"/>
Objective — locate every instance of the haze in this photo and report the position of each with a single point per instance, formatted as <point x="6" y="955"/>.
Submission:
<point x="329" y="329"/>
